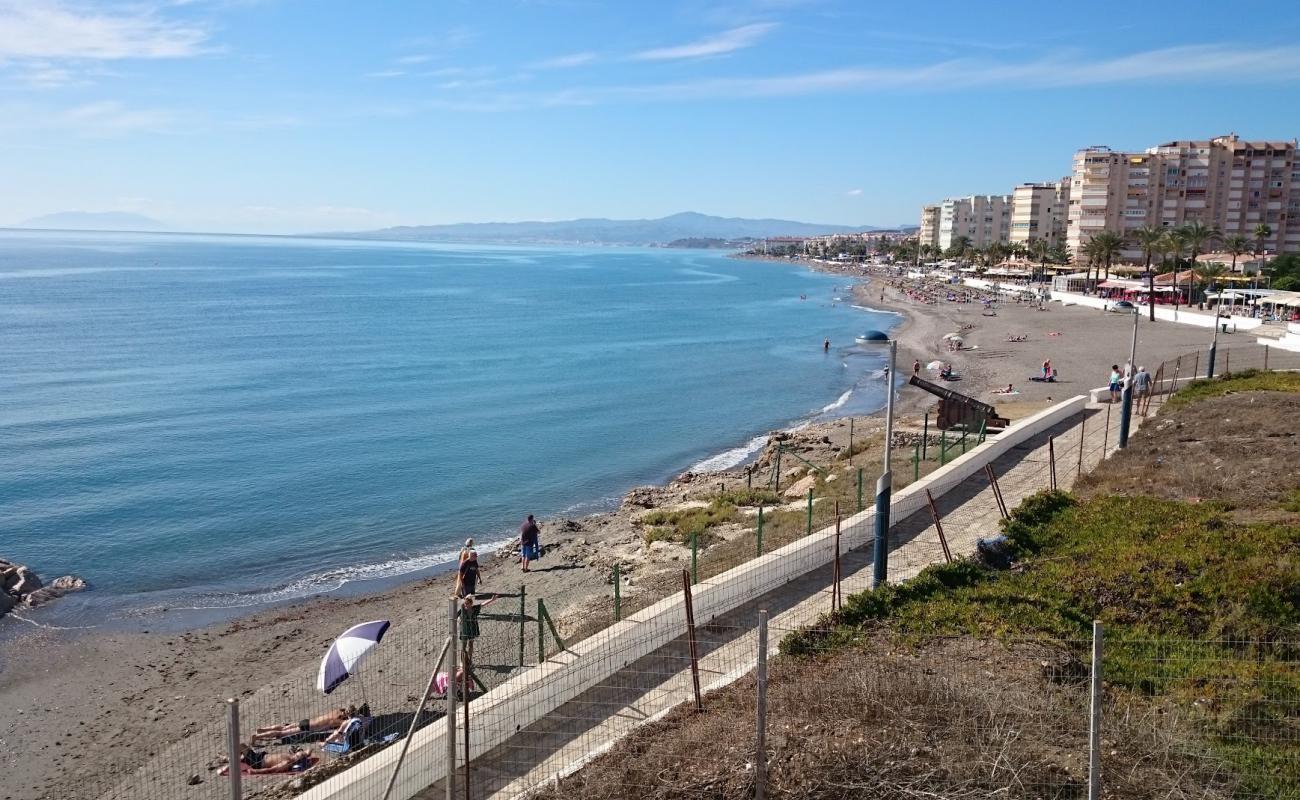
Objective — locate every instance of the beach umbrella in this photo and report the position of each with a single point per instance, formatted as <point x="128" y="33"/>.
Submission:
<point x="344" y="656"/>
<point x="934" y="365"/>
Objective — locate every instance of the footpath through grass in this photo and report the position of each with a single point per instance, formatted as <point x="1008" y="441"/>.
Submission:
<point x="1201" y="610"/>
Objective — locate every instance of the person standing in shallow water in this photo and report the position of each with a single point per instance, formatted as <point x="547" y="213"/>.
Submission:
<point x="530" y="537"/>
<point x="826" y="346"/>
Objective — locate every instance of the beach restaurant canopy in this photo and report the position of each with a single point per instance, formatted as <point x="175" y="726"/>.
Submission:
<point x="1130" y="286"/>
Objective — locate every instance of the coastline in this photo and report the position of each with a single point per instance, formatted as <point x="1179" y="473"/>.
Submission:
<point x="151" y="687"/>
<point x="172" y="679"/>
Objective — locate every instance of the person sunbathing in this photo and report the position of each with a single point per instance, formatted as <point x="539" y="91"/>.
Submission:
<point x="318" y="724"/>
<point x="260" y="762"/>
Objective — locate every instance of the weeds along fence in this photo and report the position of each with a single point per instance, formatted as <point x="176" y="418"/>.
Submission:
<point x="556" y="680"/>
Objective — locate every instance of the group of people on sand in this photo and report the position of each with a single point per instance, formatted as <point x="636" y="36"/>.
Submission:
<point x="338" y="725"/>
<point x="343" y="724"/>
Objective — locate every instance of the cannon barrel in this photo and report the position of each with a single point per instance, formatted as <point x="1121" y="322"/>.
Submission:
<point x="956" y="408"/>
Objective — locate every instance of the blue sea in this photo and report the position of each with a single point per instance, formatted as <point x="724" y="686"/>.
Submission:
<point x="208" y="424"/>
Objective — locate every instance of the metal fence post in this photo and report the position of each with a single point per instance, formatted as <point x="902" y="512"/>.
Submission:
<point x="810" y="499"/>
<point x="916" y="462"/>
<point x="1051" y="457"/>
<point x="523" y="620"/>
<point x="452" y="634"/>
<point x="541" y="634"/>
<point x="1083" y="421"/>
<point x="859" y="488"/>
<point x="232" y="749"/>
<point x="850" y="441"/>
<point x="1105" y="438"/>
<point x="690" y="640"/>
<point x="1266" y="358"/>
<point x="943" y="447"/>
<point x="695" y="554"/>
<point x="760" y="736"/>
<point x="1094" y="717"/>
<point x="760" y="530"/>
<point x="776" y="484"/>
<point x="618" y="596"/>
<point x="925" y="435"/>
<point x="1227" y="368"/>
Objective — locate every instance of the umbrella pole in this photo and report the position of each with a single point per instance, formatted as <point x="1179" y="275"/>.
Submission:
<point x="415" y="720"/>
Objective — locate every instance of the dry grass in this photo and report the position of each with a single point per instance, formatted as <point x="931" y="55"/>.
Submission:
<point x="1240" y="449"/>
<point x="957" y="718"/>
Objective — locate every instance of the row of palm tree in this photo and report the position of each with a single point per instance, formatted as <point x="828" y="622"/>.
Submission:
<point x="1192" y="239"/>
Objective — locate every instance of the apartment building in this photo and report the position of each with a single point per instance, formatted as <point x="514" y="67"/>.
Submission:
<point x="983" y="219"/>
<point x="1039" y="211"/>
<point x="1225" y="183"/>
<point x="928" y="234"/>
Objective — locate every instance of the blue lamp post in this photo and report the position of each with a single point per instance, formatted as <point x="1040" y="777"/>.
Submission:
<point x="884" y="484"/>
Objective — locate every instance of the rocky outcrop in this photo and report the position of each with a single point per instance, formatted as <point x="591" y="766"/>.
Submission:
<point x="19" y="586"/>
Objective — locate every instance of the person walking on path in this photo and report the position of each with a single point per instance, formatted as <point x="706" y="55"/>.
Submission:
<point x="1142" y="383"/>
<point x="469" y="628"/>
<point x="467" y="575"/>
<point x="529" y="542"/>
<point x="916" y="367"/>
<point x="1116" y="378"/>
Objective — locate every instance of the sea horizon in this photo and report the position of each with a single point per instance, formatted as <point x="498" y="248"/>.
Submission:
<point x="177" y="473"/>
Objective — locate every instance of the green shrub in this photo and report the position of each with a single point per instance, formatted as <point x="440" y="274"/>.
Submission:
<point x="679" y="525"/>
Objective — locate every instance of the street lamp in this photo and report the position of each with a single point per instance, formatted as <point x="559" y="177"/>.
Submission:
<point x="884" y="484"/>
<point x="1126" y="410"/>
<point x="1214" y="343"/>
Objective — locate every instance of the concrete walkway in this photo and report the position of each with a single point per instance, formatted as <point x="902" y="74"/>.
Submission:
<point x="648" y="688"/>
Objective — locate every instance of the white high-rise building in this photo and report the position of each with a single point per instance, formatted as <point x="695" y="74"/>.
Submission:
<point x="1039" y="211"/>
<point x="1225" y="183"/>
<point x="982" y="219"/>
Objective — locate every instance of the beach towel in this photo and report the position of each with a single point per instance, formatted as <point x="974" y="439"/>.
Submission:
<point x="302" y="766"/>
<point x="353" y="738"/>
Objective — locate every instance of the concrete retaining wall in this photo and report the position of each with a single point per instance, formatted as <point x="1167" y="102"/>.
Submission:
<point x="526" y="698"/>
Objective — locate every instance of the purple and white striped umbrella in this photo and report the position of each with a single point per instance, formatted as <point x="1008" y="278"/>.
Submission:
<point x="345" y="655"/>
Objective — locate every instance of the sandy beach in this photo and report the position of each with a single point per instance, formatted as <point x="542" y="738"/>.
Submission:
<point x="83" y="706"/>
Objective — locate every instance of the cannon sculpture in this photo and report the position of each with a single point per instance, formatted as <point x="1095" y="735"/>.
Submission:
<point x="958" y="410"/>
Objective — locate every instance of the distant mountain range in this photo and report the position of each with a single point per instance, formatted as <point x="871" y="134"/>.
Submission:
<point x="687" y="225"/>
<point x="94" y="221"/>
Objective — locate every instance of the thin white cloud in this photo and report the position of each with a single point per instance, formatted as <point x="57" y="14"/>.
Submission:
<point x="46" y="29"/>
<point x="418" y="58"/>
<point x="854" y="192"/>
<point x="566" y="61"/>
<point x="1217" y="64"/>
<point x="386" y="73"/>
<point x="726" y="42"/>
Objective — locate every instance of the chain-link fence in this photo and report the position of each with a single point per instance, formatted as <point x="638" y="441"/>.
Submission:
<point x="555" y="717"/>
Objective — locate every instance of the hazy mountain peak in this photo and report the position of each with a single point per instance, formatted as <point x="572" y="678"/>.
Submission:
<point x="94" y="221"/>
<point x="683" y="225"/>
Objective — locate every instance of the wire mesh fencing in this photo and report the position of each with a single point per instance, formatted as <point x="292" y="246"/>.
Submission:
<point x="640" y="670"/>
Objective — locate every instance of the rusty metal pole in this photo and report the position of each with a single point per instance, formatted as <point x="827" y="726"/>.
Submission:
<point x="1051" y="457"/>
<point x="938" y="526"/>
<point x="1083" y="421"/>
<point x="690" y="639"/>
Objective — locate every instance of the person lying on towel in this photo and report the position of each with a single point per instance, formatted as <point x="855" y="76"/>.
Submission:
<point x="323" y="723"/>
<point x="260" y="762"/>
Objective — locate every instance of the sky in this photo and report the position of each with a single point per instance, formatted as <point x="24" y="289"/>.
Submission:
<point x="284" y="116"/>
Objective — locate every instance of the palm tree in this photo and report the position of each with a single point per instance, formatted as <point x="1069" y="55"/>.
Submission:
<point x="1174" y="244"/>
<point x="1197" y="235"/>
<point x="1106" y="245"/>
<point x="1262" y="231"/>
<point x="1148" y="238"/>
<point x="1206" y="274"/>
<point x="1040" y="250"/>
<point x="1086" y="259"/>
<point x="1236" y="244"/>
